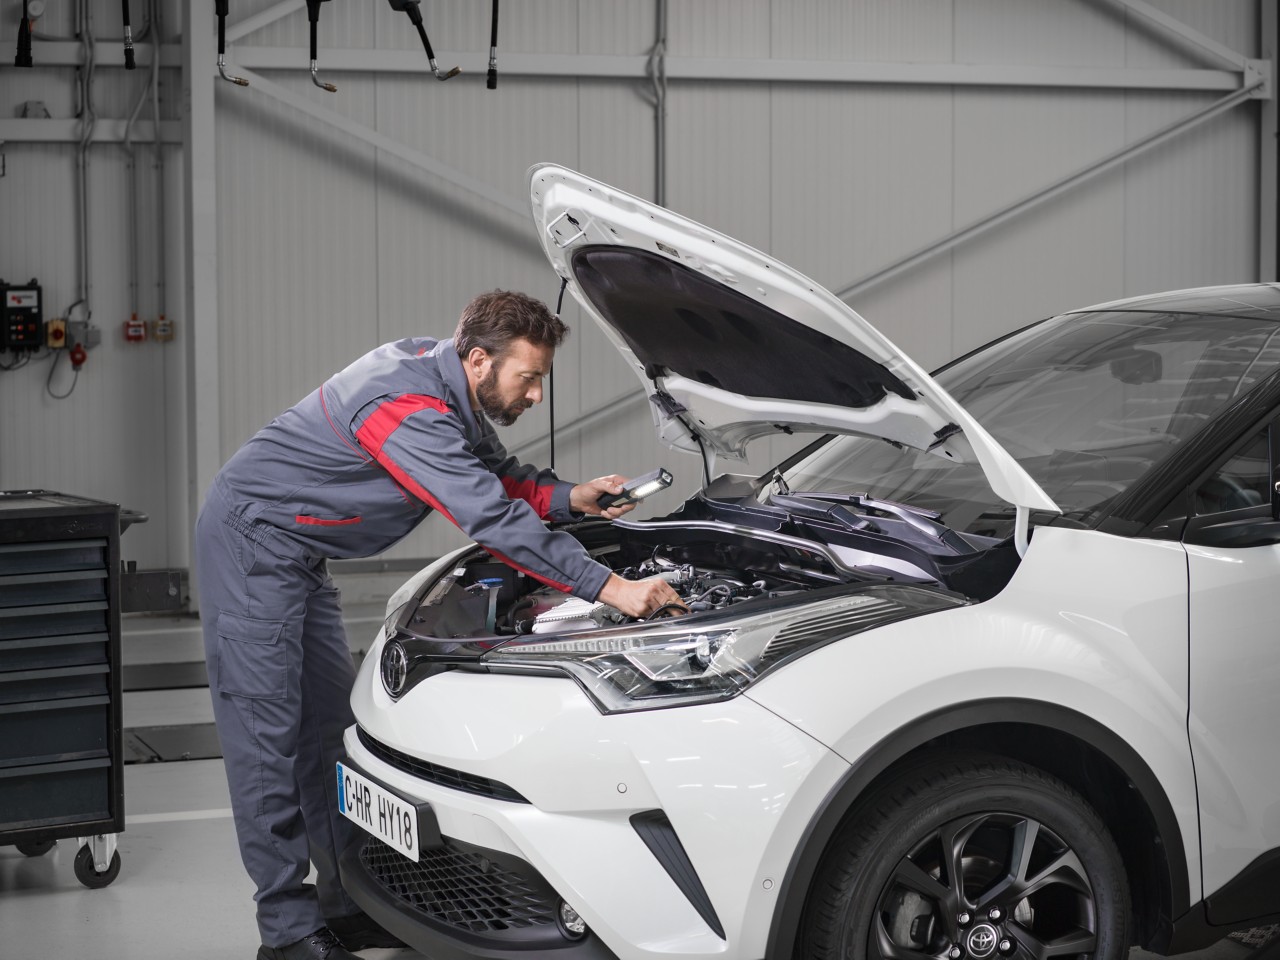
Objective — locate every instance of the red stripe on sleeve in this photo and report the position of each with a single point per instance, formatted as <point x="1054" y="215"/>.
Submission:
<point x="562" y="587"/>
<point x="421" y="493"/>
<point x="321" y="522"/>
<point x="383" y="421"/>
<point x="528" y="490"/>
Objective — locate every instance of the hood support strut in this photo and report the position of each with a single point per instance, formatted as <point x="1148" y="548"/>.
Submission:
<point x="1021" y="528"/>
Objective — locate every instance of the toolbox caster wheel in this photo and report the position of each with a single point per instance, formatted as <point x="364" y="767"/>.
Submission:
<point x="88" y="874"/>
<point x="36" y="849"/>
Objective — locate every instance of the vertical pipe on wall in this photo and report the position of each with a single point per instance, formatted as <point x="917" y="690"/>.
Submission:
<point x="200" y="255"/>
<point x="1268" y="167"/>
<point x="657" y="71"/>
<point x="158" y="160"/>
<point x="88" y="119"/>
<point x="131" y="174"/>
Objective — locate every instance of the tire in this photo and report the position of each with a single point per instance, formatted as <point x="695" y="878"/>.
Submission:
<point x="36" y="848"/>
<point x="884" y="890"/>
<point x="88" y="874"/>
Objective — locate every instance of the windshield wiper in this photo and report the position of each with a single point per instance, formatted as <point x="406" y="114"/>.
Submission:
<point x="925" y="521"/>
<point x="815" y="508"/>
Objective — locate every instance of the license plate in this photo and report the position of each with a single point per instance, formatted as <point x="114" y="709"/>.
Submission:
<point x="390" y="818"/>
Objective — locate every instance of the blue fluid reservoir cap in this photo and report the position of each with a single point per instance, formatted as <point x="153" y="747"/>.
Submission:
<point x="491" y="581"/>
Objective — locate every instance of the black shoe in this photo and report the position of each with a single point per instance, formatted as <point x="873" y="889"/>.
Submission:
<point x="360" y="932"/>
<point x="321" y="945"/>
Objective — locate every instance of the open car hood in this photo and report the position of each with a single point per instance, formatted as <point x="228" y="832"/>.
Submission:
<point x="731" y="344"/>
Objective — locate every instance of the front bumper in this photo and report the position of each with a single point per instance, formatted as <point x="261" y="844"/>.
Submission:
<point x="535" y="791"/>
<point x="462" y="902"/>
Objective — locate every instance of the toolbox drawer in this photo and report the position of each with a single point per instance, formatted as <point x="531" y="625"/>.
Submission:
<point x="45" y="795"/>
<point x="52" y="556"/>
<point x="28" y="686"/>
<point x="39" y="589"/>
<point x="73" y="650"/>
<point x="57" y="730"/>
<point x="18" y="623"/>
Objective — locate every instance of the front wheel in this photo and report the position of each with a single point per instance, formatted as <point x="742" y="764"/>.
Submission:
<point x="979" y="858"/>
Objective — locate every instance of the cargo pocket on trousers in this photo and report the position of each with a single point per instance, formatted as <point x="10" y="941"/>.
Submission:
<point x="252" y="662"/>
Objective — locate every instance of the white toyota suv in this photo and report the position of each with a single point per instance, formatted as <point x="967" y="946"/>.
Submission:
<point x="989" y="669"/>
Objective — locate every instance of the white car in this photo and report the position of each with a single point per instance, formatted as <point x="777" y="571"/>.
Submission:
<point x="989" y="669"/>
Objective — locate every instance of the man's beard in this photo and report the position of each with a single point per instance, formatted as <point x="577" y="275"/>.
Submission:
<point x="491" y="403"/>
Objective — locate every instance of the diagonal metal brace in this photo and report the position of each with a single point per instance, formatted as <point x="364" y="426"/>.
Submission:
<point x="1257" y="74"/>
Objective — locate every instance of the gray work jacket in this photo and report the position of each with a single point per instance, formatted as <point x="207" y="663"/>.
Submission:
<point x="361" y="461"/>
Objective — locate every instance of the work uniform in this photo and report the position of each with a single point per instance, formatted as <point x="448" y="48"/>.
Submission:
<point x="347" y="472"/>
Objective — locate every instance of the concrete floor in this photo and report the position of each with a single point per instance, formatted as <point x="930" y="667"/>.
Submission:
<point x="182" y="893"/>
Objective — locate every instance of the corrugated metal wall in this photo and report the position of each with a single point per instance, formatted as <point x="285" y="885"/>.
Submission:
<point x="328" y="247"/>
<point x="117" y="436"/>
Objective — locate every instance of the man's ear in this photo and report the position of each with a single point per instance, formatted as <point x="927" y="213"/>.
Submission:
<point x="476" y="357"/>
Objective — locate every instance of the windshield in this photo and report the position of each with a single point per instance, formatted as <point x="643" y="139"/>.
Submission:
<point x="1086" y="403"/>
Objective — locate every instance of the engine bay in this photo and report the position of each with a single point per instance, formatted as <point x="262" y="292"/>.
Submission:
<point x="480" y="597"/>
<point x="711" y="563"/>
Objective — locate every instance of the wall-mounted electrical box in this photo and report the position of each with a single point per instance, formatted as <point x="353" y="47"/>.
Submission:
<point x="21" y="325"/>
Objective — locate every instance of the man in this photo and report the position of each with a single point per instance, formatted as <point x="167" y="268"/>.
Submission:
<point x="347" y="472"/>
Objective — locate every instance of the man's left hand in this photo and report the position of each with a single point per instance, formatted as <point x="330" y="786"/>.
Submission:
<point x="583" y="497"/>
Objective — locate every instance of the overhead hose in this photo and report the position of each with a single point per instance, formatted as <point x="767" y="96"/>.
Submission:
<point x="23" y="58"/>
<point x="492" y="81"/>
<point x="129" y="62"/>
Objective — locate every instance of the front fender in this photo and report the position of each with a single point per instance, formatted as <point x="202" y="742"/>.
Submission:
<point x="1089" y="638"/>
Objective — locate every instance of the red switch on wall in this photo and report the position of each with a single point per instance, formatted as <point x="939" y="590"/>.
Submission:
<point x="135" y="330"/>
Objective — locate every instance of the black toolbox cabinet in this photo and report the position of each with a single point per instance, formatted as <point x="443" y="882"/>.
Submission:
<point x="61" y="750"/>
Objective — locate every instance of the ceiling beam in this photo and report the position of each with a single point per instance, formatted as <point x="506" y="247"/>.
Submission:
<point x="745" y="70"/>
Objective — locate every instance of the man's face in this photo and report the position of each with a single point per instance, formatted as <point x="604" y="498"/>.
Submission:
<point x="513" y="383"/>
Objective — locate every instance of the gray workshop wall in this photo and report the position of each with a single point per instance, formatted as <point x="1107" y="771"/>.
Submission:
<point x="118" y="436"/>
<point x="328" y="247"/>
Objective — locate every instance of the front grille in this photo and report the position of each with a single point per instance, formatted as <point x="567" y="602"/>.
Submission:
<point x="468" y="889"/>
<point x="435" y="773"/>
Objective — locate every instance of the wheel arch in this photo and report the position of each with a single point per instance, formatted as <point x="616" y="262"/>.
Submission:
<point x="1091" y="758"/>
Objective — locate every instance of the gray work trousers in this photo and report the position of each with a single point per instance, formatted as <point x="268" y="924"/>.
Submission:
<point x="280" y="675"/>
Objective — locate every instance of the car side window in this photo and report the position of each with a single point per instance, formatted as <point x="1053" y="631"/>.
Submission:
<point x="1243" y="481"/>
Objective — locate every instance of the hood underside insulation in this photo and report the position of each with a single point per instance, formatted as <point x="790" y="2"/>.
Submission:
<point x="676" y="319"/>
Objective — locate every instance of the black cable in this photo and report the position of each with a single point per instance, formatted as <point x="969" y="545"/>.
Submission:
<point x="48" y="383"/>
<point x="551" y="381"/>
<point x="664" y="609"/>
<point x="706" y="472"/>
<point x="129" y="62"/>
<point x="221" y="11"/>
<point x="492" y="81"/>
<point x="313" y="17"/>
<point x="23" y="57"/>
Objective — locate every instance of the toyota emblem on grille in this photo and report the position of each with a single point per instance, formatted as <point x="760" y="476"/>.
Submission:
<point x="982" y="940"/>
<point x="395" y="668"/>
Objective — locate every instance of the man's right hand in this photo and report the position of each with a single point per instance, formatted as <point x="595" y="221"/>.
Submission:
<point x="639" y="598"/>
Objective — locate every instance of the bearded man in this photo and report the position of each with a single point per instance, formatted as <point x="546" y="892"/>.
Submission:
<point x="347" y="472"/>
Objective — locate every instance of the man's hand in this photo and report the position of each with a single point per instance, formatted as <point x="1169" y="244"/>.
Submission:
<point x="583" y="497"/>
<point x="639" y="598"/>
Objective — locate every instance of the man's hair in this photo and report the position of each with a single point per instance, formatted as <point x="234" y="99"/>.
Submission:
<point x="494" y="320"/>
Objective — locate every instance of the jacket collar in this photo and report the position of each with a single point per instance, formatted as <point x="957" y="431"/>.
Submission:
<point x="455" y="380"/>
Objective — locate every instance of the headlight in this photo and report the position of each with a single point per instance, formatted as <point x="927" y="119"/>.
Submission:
<point x="679" y="664"/>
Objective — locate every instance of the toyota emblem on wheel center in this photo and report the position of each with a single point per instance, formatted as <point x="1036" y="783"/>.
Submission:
<point x="395" y="668"/>
<point x="982" y="940"/>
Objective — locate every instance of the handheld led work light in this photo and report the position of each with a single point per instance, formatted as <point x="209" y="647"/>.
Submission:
<point x="633" y="491"/>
